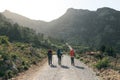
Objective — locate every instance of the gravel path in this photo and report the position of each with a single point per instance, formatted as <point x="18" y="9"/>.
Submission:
<point x="65" y="72"/>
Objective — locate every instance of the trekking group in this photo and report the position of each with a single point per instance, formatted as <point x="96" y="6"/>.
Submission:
<point x="59" y="56"/>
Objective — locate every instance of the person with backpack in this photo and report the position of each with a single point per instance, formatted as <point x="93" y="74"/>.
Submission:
<point x="49" y="57"/>
<point x="59" y="55"/>
<point x="72" y="54"/>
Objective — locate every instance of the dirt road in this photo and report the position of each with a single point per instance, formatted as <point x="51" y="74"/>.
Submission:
<point x="65" y="72"/>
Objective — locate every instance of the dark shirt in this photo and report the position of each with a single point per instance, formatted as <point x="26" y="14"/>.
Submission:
<point x="49" y="53"/>
<point x="59" y="53"/>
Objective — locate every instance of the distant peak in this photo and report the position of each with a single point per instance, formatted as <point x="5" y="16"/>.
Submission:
<point x="105" y="9"/>
<point x="71" y="10"/>
<point x="77" y="10"/>
<point x="6" y="11"/>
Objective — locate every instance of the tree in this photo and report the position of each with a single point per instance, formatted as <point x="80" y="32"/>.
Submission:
<point x="102" y="48"/>
<point x="110" y="52"/>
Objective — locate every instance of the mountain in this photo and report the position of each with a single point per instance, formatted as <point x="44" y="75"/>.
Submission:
<point x="89" y="28"/>
<point x="80" y="27"/>
<point x="17" y="33"/>
<point x="24" y="21"/>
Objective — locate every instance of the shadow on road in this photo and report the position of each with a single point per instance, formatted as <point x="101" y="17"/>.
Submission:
<point x="79" y="67"/>
<point x="53" y="66"/>
<point x="65" y="67"/>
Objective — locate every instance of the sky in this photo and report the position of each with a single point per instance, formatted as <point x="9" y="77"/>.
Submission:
<point x="48" y="10"/>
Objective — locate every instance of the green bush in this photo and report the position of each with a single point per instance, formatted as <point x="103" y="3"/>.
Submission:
<point x="1" y="73"/>
<point x="77" y="56"/>
<point x="102" y="63"/>
<point x="17" y="57"/>
<point x="20" y="68"/>
<point x="4" y="40"/>
<point x="98" y="56"/>
<point x="9" y="74"/>
<point x="81" y="59"/>
<point x="26" y="67"/>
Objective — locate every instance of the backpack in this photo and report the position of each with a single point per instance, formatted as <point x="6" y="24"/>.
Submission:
<point x="49" y="53"/>
<point x="59" y="52"/>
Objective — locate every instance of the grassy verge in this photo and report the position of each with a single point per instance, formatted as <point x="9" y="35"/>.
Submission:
<point x="106" y="68"/>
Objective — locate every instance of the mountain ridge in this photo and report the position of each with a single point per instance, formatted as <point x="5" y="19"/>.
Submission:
<point x="85" y="27"/>
<point x="23" y="21"/>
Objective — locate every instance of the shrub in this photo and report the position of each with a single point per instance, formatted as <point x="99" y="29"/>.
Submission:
<point x="81" y="59"/>
<point x="102" y="63"/>
<point x="18" y="59"/>
<point x="1" y="73"/>
<point x="9" y="74"/>
<point x="77" y="56"/>
<point x="26" y="67"/>
<point x="20" y="68"/>
<point x="98" y="56"/>
<point x="4" y="40"/>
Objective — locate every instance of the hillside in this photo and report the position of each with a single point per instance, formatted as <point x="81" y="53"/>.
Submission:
<point x="21" y="47"/>
<point x="24" y="21"/>
<point x="77" y="26"/>
<point x="17" y="33"/>
<point x="88" y="28"/>
<point x="17" y="57"/>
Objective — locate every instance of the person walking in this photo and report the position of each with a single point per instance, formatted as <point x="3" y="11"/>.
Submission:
<point x="72" y="54"/>
<point x="50" y="57"/>
<point x="59" y="55"/>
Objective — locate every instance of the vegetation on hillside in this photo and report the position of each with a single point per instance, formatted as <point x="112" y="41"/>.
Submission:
<point x="105" y="61"/>
<point x="17" y="33"/>
<point x="17" y="57"/>
<point x="88" y="28"/>
<point x="20" y="47"/>
<point x="77" y="26"/>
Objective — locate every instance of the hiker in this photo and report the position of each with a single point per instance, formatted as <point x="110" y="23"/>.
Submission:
<point x="72" y="54"/>
<point x="59" y="55"/>
<point x="50" y="57"/>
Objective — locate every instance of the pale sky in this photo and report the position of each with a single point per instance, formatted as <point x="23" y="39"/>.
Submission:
<point x="48" y="10"/>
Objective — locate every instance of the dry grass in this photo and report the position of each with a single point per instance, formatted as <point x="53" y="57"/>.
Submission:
<point x="110" y="73"/>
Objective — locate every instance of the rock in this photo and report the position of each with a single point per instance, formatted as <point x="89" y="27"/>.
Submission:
<point x="7" y="61"/>
<point x="98" y="73"/>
